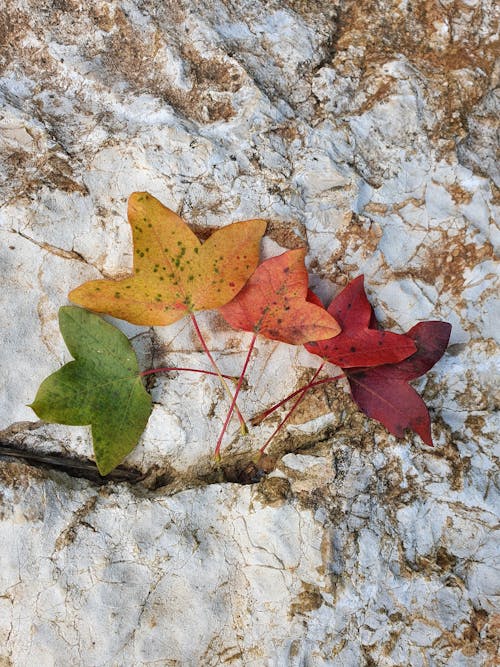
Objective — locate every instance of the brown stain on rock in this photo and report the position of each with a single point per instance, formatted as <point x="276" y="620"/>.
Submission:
<point x="358" y="235"/>
<point x="29" y="171"/>
<point x="443" y="264"/>
<point x="69" y="534"/>
<point x="287" y="234"/>
<point x="459" y="466"/>
<point x="307" y="600"/>
<point x="273" y="491"/>
<point x="478" y="636"/>
<point x="371" y="33"/>
<point x="137" y="58"/>
<point x="13" y="28"/>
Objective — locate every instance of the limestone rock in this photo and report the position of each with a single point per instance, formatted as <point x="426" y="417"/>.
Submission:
<point x="365" y="130"/>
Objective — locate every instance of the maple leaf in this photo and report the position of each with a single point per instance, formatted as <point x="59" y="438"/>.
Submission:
<point x="383" y="392"/>
<point x="101" y="388"/>
<point x="174" y="273"/>
<point x="359" y="343"/>
<point x="273" y="303"/>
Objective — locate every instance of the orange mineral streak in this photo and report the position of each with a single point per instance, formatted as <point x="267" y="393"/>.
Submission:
<point x="273" y="303"/>
<point x="174" y="273"/>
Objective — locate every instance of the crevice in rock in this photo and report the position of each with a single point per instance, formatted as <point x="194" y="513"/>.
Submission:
<point x="60" y="252"/>
<point x="72" y="466"/>
<point x="54" y="250"/>
<point x="243" y="468"/>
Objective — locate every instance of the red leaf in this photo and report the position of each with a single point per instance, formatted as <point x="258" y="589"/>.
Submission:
<point x="273" y="303"/>
<point x="384" y="394"/>
<point x="359" y="343"/>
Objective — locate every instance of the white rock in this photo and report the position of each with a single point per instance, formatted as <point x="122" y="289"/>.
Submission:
<point x="379" y="154"/>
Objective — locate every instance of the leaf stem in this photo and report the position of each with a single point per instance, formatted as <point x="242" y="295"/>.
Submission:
<point x="168" y="369"/>
<point x="293" y="408"/>
<point x="259" y="418"/>
<point x="233" y="402"/>
<point x="243" y="426"/>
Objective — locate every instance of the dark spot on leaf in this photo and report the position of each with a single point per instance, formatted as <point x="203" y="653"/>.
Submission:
<point x="353" y="349"/>
<point x="196" y="250"/>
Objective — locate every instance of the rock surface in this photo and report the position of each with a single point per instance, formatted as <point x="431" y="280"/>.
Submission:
<point x="365" y="130"/>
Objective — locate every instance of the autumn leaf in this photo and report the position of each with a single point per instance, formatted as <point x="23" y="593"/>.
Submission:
<point x="383" y="392"/>
<point x="273" y="303"/>
<point x="101" y="388"/>
<point x="359" y="343"/>
<point x="174" y="273"/>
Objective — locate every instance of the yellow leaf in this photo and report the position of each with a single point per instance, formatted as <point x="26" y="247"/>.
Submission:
<point x="174" y="273"/>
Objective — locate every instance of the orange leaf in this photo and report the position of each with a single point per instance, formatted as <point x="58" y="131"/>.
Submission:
<point x="273" y="303"/>
<point x="174" y="274"/>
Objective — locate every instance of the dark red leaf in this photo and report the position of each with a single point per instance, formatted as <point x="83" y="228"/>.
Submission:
<point x="359" y="343"/>
<point x="383" y="392"/>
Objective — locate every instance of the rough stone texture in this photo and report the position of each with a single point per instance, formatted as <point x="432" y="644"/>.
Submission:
<point x="364" y="129"/>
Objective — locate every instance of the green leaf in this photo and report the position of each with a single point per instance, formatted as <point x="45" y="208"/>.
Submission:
<point x="101" y="388"/>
